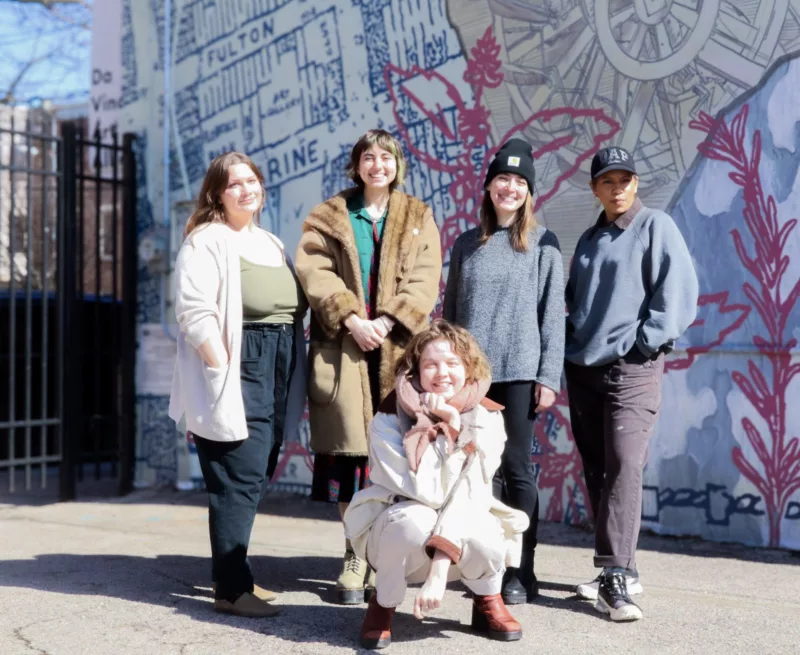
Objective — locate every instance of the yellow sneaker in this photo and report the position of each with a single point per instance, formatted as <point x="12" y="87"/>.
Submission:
<point x="258" y="592"/>
<point x="246" y="605"/>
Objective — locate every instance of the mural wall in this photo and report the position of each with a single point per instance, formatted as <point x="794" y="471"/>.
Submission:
<point x="704" y="92"/>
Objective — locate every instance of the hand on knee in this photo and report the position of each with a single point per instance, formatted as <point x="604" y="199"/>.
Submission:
<point x="431" y="595"/>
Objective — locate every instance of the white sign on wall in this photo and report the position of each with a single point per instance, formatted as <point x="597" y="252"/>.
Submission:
<point x="106" y="82"/>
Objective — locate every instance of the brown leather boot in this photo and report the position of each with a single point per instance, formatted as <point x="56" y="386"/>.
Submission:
<point x="376" y="631"/>
<point x="490" y="615"/>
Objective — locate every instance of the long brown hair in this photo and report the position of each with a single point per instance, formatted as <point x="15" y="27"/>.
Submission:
<point x="523" y="223"/>
<point x="462" y="342"/>
<point x="384" y="140"/>
<point x="209" y="202"/>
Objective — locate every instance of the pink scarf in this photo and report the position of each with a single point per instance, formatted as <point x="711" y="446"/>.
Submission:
<point x="427" y="427"/>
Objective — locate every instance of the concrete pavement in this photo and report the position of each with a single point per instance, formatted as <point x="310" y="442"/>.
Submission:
<point x="132" y="576"/>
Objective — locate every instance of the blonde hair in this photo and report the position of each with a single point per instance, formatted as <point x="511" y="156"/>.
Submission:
<point x="523" y="223"/>
<point x="384" y="140"/>
<point x="209" y="201"/>
<point x="462" y="342"/>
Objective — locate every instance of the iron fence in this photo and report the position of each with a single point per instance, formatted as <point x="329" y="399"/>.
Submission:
<point x="67" y="316"/>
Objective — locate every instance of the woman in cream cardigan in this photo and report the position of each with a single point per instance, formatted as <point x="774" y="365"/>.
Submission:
<point x="239" y="374"/>
<point x="429" y="514"/>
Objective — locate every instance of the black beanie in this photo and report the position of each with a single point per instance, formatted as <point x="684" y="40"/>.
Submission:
<point x="513" y="157"/>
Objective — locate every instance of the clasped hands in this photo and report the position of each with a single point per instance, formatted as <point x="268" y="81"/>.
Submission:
<point x="369" y="335"/>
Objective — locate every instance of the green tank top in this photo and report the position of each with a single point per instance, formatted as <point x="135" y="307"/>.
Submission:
<point x="270" y="294"/>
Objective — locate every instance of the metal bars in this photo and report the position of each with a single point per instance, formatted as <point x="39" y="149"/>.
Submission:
<point x="67" y="305"/>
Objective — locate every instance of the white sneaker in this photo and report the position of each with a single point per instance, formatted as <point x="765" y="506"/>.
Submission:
<point x="588" y="590"/>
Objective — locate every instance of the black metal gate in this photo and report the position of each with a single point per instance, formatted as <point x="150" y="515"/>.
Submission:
<point x="67" y="306"/>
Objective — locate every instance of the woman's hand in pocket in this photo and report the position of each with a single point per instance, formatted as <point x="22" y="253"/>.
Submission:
<point x="213" y="353"/>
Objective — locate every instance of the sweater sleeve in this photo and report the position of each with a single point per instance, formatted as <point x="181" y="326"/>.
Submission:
<point x="551" y="312"/>
<point x="673" y="286"/>
<point x="451" y="289"/>
<point x="197" y="283"/>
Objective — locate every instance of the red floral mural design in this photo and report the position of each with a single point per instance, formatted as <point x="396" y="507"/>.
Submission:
<point x="779" y="456"/>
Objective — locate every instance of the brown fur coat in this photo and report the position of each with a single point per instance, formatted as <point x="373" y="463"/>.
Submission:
<point x="340" y="401"/>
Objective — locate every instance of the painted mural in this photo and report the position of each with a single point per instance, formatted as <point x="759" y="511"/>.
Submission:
<point x="704" y="92"/>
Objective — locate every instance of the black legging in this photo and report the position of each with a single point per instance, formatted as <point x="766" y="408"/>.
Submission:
<point x="515" y="483"/>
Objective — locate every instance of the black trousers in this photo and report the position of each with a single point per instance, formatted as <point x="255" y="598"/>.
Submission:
<point x="236" y="473"/>
<point x="515" y="482"/>
<point x="613" y="411"/>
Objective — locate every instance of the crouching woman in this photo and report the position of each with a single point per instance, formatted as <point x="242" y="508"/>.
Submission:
<point x="429" y="515"/>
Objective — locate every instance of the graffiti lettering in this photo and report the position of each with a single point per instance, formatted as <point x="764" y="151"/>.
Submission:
<point x="719" y="506"/>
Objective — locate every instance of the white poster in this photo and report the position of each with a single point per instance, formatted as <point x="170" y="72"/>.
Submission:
<point x="106" y="86"/>
<point x="155" y="360"/>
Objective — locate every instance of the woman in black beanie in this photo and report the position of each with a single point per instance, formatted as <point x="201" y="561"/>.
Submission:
<point x="505" y="285"/>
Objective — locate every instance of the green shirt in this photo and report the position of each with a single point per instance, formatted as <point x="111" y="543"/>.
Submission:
<point x="365" y="244"/>
<point x="270" y="294"/>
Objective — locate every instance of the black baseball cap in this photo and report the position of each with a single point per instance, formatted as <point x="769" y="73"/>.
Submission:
<point x="612" y="159"/>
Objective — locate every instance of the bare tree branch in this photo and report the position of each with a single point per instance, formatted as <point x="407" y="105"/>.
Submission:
<point x="42" y="20"/>
<point x="49" y="4"/>
<point x="9" y="94"/>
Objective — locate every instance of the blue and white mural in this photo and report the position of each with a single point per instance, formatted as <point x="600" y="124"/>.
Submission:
<point x="704" y="92"/>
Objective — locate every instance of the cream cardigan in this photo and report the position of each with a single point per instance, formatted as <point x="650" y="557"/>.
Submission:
<point x="208" y="305"/>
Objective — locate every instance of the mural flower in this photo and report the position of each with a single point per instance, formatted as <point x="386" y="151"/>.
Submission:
<point x="713" y="309"/>
<point x="778" y="476"/>
<point x="483" y="67"/>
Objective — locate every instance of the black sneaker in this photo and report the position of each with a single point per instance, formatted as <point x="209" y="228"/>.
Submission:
<point x="613" y="598"/>
<point x="588" y="590"/>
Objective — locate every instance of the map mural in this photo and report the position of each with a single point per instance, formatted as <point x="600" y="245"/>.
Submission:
<point x="703" y="92"/>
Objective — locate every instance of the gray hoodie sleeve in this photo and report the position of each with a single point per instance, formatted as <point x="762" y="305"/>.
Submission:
<point x="451" y="288"/>
<point x="551" y="312"/>
<point x="673" y="287"/>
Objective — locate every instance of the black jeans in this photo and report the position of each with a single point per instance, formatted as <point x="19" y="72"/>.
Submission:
<point x="613" y="410"/>
<point x="515" y="482"/>
<point x="236" y="473"/>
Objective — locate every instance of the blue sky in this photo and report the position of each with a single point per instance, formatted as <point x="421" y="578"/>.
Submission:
<point x="58" y="44"/>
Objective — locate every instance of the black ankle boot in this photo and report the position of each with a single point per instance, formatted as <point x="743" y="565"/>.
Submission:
<point x="527" y="576"/>
<point x="513" y="591"/>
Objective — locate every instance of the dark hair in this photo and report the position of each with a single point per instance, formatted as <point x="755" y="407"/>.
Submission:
<point x="463" y="343"/>
<point x="209" y="203"/>
<point x="384" y="140"/>
<point x="523" y="223"/>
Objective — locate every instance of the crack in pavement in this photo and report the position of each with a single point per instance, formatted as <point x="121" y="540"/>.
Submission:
<point x="27" y="642"/>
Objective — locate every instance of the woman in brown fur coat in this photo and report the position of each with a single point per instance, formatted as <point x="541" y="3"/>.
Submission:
<point x="369" y="261"/>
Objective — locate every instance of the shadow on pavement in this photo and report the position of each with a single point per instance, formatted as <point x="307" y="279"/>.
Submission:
<point x="183" y="584"/>
<point x="558" y="534"/>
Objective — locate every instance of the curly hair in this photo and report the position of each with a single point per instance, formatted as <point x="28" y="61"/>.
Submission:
<point x="463" y="343"/>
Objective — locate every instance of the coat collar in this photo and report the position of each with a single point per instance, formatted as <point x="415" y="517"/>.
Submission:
<point x="624" y="221"/>
<point x="404" y="222"/>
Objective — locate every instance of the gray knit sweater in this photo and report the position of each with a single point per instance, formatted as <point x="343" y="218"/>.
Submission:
<point x="512" y="303"/>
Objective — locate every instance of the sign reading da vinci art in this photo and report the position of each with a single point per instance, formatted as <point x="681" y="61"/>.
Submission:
<point x="106" y="87"/>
